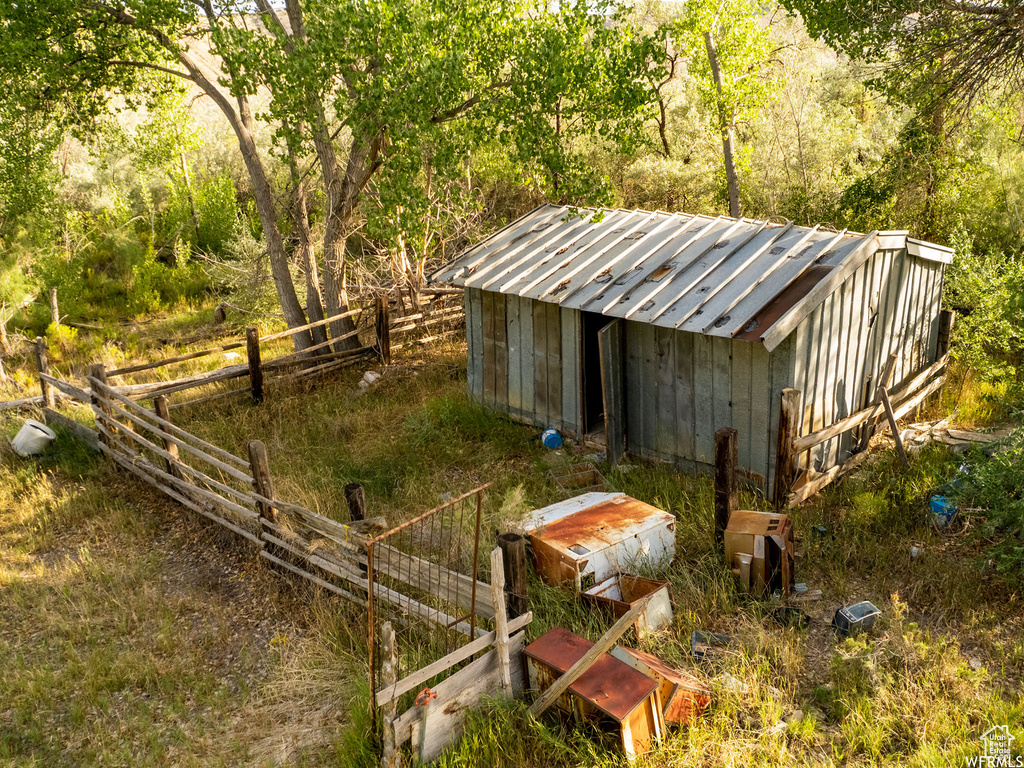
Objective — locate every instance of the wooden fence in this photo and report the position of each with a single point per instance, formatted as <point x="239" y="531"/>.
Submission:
<point x="377" y="332"/>
<point x="790" y="489"/>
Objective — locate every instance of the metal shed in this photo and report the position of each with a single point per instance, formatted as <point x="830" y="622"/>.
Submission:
<point x="701" y="322"/>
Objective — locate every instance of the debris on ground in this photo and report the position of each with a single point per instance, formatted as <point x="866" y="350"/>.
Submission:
<point x="854" y="618"/>
<point x="917" y="435"/>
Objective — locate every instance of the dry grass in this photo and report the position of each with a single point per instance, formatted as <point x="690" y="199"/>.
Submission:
<point x="137" y="640"/>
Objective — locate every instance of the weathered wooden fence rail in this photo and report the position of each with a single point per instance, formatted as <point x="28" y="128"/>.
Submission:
<point x="440" y="317"/>
<point x="875" y="419"/>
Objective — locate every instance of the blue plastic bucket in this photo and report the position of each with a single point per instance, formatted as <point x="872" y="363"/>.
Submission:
<point x="943" y="508"/>
<point x="551" y="439"/>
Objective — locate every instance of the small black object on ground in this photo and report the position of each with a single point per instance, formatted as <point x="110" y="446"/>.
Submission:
<point x="788" y="616"/>
<point x="855" y="618"/>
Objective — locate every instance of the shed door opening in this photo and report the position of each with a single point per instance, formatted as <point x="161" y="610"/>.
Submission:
<point x="590" y="374"/>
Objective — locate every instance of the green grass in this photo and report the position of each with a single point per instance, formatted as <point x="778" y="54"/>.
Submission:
<point x="112" y="665"/>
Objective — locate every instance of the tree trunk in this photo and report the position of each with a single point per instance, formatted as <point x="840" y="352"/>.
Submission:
<point x="241" y="124"/>
<point x="300" y="216"/>
<point x="188" y="191"/>
<point x="727" y="124"/>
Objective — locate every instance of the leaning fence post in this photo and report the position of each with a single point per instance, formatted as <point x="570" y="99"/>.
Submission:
<point x="500" y="620"/>
<point x="726" y="491"/>
<point x="261" y="481"/>
<point x="389" y="671"/>
<point x="785" y="451"/>
<point x="252" y="351"/>
<point x="382" y="331"/>
<point x="164" y="412"/>
<point x="43" y="364"/>
<point x="513" y="554"/>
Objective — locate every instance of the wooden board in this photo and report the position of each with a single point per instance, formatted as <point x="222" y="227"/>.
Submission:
<point x="610" y="341"/>
<point x="445" y="718"/>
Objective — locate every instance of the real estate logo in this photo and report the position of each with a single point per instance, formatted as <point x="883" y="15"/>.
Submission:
<point x="996" y="749"/>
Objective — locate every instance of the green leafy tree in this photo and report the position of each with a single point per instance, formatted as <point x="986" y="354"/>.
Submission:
<point x="726" y="49"/>
<point x="386" y="97"/>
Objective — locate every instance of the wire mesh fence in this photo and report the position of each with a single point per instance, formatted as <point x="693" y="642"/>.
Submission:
<point x="423" y="577"/>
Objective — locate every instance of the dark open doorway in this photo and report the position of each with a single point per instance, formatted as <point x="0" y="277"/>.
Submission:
<point x="593" y="401"/>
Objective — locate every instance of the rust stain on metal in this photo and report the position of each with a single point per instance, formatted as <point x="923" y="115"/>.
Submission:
<point x="602" y="524"/>
<point x="610" y="685"/>
<point x="782" y="303"/>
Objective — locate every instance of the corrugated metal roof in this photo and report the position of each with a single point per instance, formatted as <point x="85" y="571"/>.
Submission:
<point x="711" y="275"/>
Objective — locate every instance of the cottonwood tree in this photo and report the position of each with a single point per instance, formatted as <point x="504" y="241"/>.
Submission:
<point x="725" y="46"/>
<point x="380" y="97"/>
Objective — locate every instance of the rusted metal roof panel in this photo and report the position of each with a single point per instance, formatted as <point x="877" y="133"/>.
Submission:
<point x="716" y="276"/>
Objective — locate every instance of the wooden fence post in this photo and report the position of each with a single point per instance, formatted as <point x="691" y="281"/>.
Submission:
<point x="500" y="620"/>
<point x="382" y="330"/>
<point x="261" y="480"/>
<point x="164" y="412"/>
<point x="947" y="319"/>
<point x="884" y="396"/>
<point x="54" y="311"/>
<point x="43" y="364"/>
<point x="252" y="351"/>
<point x="389" y="670"/>
<point x="513" y="556"/>
<point x="97" y="371"/>
<point x="726" y="486"/>
<point x="356" y="498"/>
<point x="785" y="453"/>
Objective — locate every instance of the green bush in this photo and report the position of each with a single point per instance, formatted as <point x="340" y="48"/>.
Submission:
<point x="987" y="292"/>
<point x="114" y="273"/>
<point x="995" y="485"/>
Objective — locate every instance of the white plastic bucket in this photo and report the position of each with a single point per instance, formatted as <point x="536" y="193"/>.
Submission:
<point x="32" y="438"/>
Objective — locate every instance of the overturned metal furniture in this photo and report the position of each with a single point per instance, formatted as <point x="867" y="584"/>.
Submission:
<point x="759" y="551"/>
<point x="610" y="691"/>
<point x="593" y="537"/>
<point x="622" y="591"/>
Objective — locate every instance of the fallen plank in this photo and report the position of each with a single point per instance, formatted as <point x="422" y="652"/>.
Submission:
<point x="601" y="647"/>
<point x="10" y="405"/>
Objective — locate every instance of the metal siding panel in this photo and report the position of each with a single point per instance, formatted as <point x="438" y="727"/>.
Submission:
<point x="527" y="353"/>
<point x="685" y="420"/>
<point x="488" y="349"/>
<point x="934" y="307"/>
<point x="649" y="394"/>
<point x="782" y="376"/>
<point x="634" y="388"/>
<point x="610" y="344"/>
<point x="540" y="362"/>
<point x="899" y="306"/>
<point x="741" y="399"/>
<point x="474" y="344"/>
<point x="554" y="364"/>
<point x="703" y="400"/>
<point x="813" y="401"/>
<point x="500" y="354"/>
<point x="666" y="421"/>
<point x="515" y="356"/>
<point x="571" y="373"/>
<point x="760" y="409"/>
